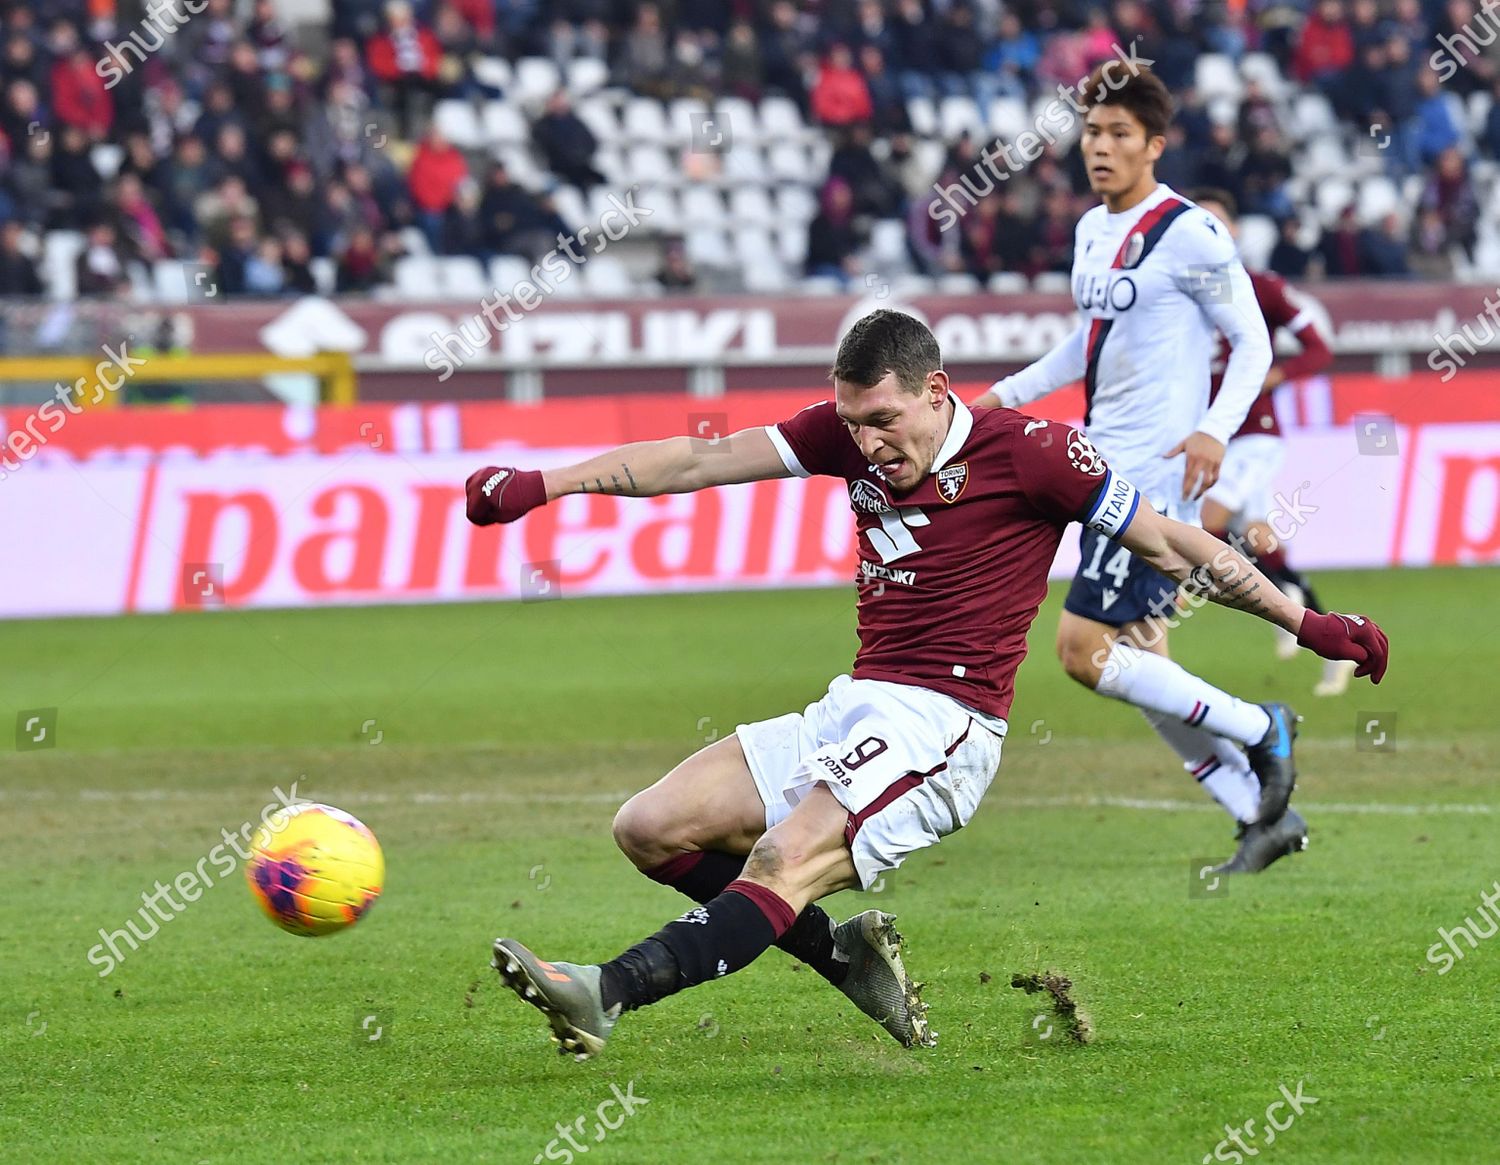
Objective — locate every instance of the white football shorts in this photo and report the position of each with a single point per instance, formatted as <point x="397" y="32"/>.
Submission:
<point x="1250" y="467"/>
<point x="909" y="764"/>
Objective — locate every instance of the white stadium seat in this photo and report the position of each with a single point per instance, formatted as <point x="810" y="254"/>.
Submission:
<point x="740" y="118"/>
<point x="606" y="276"/>
<point x="570" y="206"/>
<point x="781" y="120"/>
<point x="1216" y="76"/>
<point x="649" y="164"/>
<point x="923" y="117"/>
<point x="645" y="120"/>
<point x="1008" y="283"/>
<point x="746" y="163"/>
<point x="1378" y="196"/>
<point x="1258" y="235"/>
<point x="957" y="115"/>
<point x="1008" y="118"/>
<point x="504" y="125"/>
<point x="765" y="275"/>
<point x="707" y="247"/>
<point x="751" y="241"/>
<point x="508" y="270"/>
<point x="459" y="124"/>
<point x="494" y="72"/>
<point x="462" y="276"/>
<point x="587" y="74"/>
<point x="416" y="276"/>
<point x="789" y="163"/>
<point x="791" y="245"/>
<point x="685" y="117"/>
<point x="702" y="207"/>
<point x="536" y="80"/>
<point x="598" y="113"/>
<point x="796" y="205"/>
<point x="751" y="206"/>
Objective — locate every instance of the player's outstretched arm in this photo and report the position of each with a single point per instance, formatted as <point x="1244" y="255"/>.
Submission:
<point x="642" y="469"/>
<point x="1061" y="366"/>
<point x="1223" y="575"/>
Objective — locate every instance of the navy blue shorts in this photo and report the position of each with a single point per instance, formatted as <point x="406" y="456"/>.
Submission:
<point x="1113" y="586"/>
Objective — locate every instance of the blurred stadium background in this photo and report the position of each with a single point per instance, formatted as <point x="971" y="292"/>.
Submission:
<point x="356" y="243"/>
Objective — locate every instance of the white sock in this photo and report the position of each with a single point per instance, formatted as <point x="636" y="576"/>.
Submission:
<point x="1215" y="763"/>
<point x="1154" y="682"/>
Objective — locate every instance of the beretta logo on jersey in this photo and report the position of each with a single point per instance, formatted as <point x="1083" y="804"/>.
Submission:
<point x="951" y="480"/>
<point x="867" y="498"/>
<point x="1083" y="455"/>
<point x="1133" y="248"/>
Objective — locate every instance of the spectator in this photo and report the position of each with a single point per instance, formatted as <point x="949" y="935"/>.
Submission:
<point x="742" y="73"/>
<point x="296" y="262"/>
<point x="1288" y="258"/>
<point x="234" y="256"/>
<point x="18" y="275"/>
<point x="137" y="225"/>
<point x="265" y="274"/>
<point x="1433" y="126"/>
<point x="1491" y="138"/>
<point x="75" y="182"/>
<point x="22" y="116"/>
<point x="1013" y="57"/>
<point x="567" y="143"/>
<point x="433" y="180"/>
<point x="1428" y="253"/>
<point x="218" y="211"/>
<point x="960" y="54"/>
<point x="508" y="214"/>
<point x="643" y="56"/>
<point x="876" y="190"/>
<point x="100" y="268"/>
<point x="886" y="100"/>
<point x="1450" y="193"/>
<point x="463" y="224"/>
<point x="831" y="237"/>
<point x="1383" y="249"/>
<point x="840" y="97"/>
<point x="29" y="182"/>
<point x="293" y="202"/>
<point x="676" y="275"/>
<point x="915" y="49"/>
<point x="1341" y="247"/>
<point x="783" y="47"/>
<point x="405" y="60"/>
<point x="79" y="95"/>
<point x="1325" y="49"/>
<point x="1264" y="174"/>
<point x="361" y="265"/>
<point x="691" y="73"/>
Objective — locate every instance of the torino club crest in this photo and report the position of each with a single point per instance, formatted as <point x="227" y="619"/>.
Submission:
<point x="951" y="480"/>
<point x="1083" y="455"/>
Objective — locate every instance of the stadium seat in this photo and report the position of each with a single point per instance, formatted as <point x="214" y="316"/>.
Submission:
<point x="922" y="114"/>
<point x="325" y="273"/>
<point x="508" y="270"/>
<point x="587" y="75"/>
<point x="888" y="252"/>
<point x="1312" y="116"/>
<point x="650" y="164"/>
<point x="1258" y="235"/>
<point x="493" y="72"/>
<point x="750" y="242"/>
<point x="598" y="113"/>
<point x="461" y="276"/>
<point x="58" y="268"/>
<point x="1051" y="283"/>
<point x="702" y="207"/>
<point x="106" y="157"/>
<point x="1215" y="76"/>
<point x="911" y="286"/>
<point x="571" y="206"/>
<point x="665" y="207"/>
<point x="610" y="161"/>
<point x="645" y="121"/>
<point x="522" y="166"/>
<point x="1378" y="196"/>
<point x="503" y="124"/>
<point x="746" y="163"/>
<point x="959" y="115"/>
<point x="751" y="205"/>
<point x="414" y="241"/>
<point x="781" y="120"/>
<point x="685" y="118"/>
<point x="1008" y="118"/>
<point x="820" y="285"/>
<point x="536" y="79"/>
<point x="459" y="124"/>
<point x="1325" y="155"/>
<point x="418" y="276"/>
<point x="765" y="275"/>
<point x="1008" y="283"/>
<point x="1262" y="67"/>
<point x="958" y="283"/>
<point x="1479" y="112"/>
<point x="707" y="247"/>
<point x="169" y="279"/>
<point x="789" y="163"/>
<point x="796" y="205"/>
<point x="606" y="276"/>
<point x="1331" y="196"/>
<point x="791" y="245"/>
<point x="738" y="116"/>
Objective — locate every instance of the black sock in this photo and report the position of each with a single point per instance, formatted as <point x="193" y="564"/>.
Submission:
<point x="702" y="876"/>
<point x="708" y="942"/>
<point x="1309" y="596"/>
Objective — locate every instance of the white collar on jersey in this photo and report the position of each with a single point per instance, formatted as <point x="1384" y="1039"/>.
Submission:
<point x="1160" y="194"/>
<point x="958" y="432"/>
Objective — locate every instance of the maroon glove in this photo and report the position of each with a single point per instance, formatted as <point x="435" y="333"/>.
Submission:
<point x="498" y="494"/>
<point x="1347" y="637"/>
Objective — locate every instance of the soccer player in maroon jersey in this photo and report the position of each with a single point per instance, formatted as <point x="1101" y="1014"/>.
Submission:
<point x="1241" y="499"/>
<point x="959" y="515"/>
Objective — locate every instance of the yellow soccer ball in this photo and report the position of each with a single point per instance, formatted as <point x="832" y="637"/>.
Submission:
<point x="314" y="869"/>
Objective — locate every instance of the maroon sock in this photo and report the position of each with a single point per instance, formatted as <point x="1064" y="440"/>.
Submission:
<point x="703" y="876"/>
<point x="708" y="942"/>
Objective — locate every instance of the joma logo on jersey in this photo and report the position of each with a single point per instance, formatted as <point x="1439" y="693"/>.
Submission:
<point x="951" y="480"/>
<point x="867" y="498"/>
<point x="1083" y="455"/>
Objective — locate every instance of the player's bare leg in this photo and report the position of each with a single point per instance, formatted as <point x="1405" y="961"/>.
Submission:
<point x="1130" y="663"/>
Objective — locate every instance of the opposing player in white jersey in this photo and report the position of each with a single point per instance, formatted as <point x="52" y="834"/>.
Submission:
<point x="1155" y="278"/>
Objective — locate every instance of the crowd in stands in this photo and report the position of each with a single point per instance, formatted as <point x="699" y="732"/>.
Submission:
<point x="258" y="148"/>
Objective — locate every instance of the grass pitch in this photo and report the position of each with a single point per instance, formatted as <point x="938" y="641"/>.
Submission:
<point x="488" y="746"/>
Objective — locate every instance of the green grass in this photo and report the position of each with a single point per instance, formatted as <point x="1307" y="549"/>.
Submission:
<point x="507" y="735"/>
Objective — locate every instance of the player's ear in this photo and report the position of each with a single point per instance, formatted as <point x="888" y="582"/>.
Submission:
<point x="938" y="388"/>
<point x="1155" y="147"/>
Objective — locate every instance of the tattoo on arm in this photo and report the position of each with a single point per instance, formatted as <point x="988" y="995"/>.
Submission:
<point x="629" y="475"/>
<point x="615" y="486"/>
<point x="1231" y="581"/>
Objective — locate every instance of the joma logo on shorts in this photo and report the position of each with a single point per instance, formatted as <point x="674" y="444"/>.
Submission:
<point x="836" y="769"/>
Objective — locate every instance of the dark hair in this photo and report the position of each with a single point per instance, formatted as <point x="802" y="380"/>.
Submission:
<point x="1139" y="90"/>
<point x="887" y="341"/>
<point x="1204" y="194"/>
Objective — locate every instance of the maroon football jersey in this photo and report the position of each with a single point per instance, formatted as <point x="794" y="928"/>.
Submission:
<point x="951" y="574"/>
<point x="1280" y="312"/>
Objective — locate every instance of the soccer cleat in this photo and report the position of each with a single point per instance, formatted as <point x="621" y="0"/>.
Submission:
<point x="1286" y="642"/>
<point x="1260" y="845"/>
<point x="1273" y="763"/>
<point x="567" y="994"/>
<point x="1336" y="676"/>
<point x="877" y="981"/>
